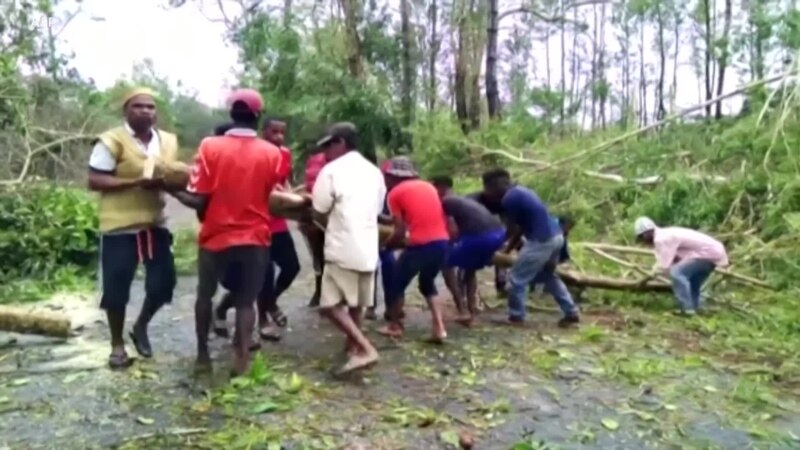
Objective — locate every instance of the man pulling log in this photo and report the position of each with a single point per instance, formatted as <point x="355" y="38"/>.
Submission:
<point x="415" y="206"/>
<point x="688" y="256"/>
<point x="476" y="235"/>
<point x="348" y="196"/>
<point x="132" y="223"/>
<point x="527" y="216"/>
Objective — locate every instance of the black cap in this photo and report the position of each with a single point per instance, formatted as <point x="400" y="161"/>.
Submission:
<point x="344" y="131"/>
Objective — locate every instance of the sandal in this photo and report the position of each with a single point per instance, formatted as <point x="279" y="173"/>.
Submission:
<point x="278" y="317"/>
<point x="220" y="327"/>
<point x="269" y="334"/>
<point x="118" y="361"/>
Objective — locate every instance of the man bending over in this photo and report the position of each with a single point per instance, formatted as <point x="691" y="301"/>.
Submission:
<point x="476" y="235"/>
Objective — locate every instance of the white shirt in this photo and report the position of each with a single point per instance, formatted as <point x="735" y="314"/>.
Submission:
<point x="351" y="190"/>
<point x="102" y="159"/>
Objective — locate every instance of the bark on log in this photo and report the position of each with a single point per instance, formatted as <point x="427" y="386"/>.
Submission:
<point x="21" y="320"/>
<point x="292" y="205"/>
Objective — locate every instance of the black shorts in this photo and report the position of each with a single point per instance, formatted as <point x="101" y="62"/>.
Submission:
<point x="243" y="267"/>
<point x="120" y="255"/>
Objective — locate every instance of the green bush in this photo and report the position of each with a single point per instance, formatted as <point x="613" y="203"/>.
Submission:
<point x="47" y="232"/>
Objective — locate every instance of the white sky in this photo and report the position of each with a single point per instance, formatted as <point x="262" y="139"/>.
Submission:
<point x="187" y="48"/>
<point x="183" y="44"/>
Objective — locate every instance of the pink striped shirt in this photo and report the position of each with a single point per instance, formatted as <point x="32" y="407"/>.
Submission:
<point x="683" y="243"/>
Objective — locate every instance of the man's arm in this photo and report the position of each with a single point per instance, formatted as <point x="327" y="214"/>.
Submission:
<point x="201" y="186"/>
<point x="102" y="165"/>
<point x="322" y="197"/>
<point x="398" y="224"/>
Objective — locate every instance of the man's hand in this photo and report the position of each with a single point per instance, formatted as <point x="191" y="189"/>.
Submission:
<point x="152" y="183"/>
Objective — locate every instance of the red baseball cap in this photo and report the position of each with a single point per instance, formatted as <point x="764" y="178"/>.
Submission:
<point x="250" y="97"/>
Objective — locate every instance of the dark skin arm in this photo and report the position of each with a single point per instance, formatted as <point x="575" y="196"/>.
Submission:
<point x="399" y="233"/>
<point x="452" y="228"/>
<point x="385" y="219"/>
<point x="100" y="181"/>
<point x="513" y="236"/>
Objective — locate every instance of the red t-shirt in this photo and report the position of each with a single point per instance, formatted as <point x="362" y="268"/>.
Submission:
<point x="237" y="173"/>
<point x="314" y="166"/>
<point x="279" y="224"/>
<point x="418" y="204"/>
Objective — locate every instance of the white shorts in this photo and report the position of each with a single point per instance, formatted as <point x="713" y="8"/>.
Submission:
<point x="342" y="286"/>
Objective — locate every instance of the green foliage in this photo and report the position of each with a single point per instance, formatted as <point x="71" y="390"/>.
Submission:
<point x="47" y="234"/>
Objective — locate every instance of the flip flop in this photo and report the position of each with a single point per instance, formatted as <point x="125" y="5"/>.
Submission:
<point x="269" y="335"/>
<point x="279" y="318"/>
<point x="119" y="361"/>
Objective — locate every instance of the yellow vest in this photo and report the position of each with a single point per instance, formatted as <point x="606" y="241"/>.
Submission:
<point x="134" y="207"/>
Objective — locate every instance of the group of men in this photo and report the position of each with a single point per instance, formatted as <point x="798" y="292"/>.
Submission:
<point x="241" y="243"/>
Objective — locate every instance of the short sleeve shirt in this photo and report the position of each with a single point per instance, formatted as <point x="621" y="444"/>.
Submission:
<point x="470" y="216"/>
<point x="417" y="203"/>
<point x="238" y="174"/>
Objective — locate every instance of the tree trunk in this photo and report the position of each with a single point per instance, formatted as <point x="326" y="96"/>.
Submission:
<point x="661" y="110"/>
<point x="460" y="72"/>
<point x="724" y="51"/>
<point x="562" y="109"/>
<point x="708" y="55"/>
<point x="433" y="19"/>
<point x="492" y="91"/>
<point x="407" y="39"/>
<point x="352" y="19"/>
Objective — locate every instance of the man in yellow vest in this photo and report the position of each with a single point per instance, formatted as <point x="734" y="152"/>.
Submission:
<point x="132" y="221"/>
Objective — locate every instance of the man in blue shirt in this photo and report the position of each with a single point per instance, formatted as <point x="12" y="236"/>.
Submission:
<point x="527" y="217"/>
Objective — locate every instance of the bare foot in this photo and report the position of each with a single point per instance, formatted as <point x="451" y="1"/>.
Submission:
<point x="465" y="320"/>
<point x="350" y="348"/>
<point x="393" y="330"/>
<point x="359" y="361"/>
<point x="202" y="364"/>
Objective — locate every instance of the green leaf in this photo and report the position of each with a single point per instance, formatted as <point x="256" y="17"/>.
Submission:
<point x="265" y="407"/>
<point x="145" y="420"/>
<point x="449" y="437"/>
<point x="610" y="424"/>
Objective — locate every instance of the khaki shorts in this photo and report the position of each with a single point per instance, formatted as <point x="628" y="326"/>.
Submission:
<point x="342" y="286"/>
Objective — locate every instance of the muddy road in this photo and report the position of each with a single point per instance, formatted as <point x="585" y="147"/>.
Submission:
<point x="623" y="380"/>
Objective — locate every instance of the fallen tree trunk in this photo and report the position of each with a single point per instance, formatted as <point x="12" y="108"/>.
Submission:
<point x="292" y="205"/>
<point x="26" y="321"/>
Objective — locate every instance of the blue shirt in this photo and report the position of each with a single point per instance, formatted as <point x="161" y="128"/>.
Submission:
<point x="563" y="255"/>
<point x="525" y="209"/>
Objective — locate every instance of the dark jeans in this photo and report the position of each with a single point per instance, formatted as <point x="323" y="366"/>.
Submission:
<point x="425" y="261"/>
<point x="120" y="255"/>
<point x="247" y="262"/>
<point x="387" y="268"/>
<point x="284" y="256"/>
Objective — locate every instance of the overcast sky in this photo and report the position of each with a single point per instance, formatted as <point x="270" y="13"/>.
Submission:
<point x="182" y="43"/>
<point x="110" y="36"/>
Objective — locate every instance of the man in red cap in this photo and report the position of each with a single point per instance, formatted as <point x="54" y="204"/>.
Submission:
<point x="232" y="178"/>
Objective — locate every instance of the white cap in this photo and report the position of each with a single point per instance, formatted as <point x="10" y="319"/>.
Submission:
<point x="643" y="225"/>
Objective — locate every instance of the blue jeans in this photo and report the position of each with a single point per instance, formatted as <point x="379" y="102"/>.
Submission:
<point x="531" y="260"/>
<point x="554" y="286"/>
<point x="386" y="269"/>
<point x="687" y="278"/>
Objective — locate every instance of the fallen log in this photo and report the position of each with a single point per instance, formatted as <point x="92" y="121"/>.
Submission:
<point x="292" y="205"/>
<point x="743" y="279"/>
<point x="26" y="321"/>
